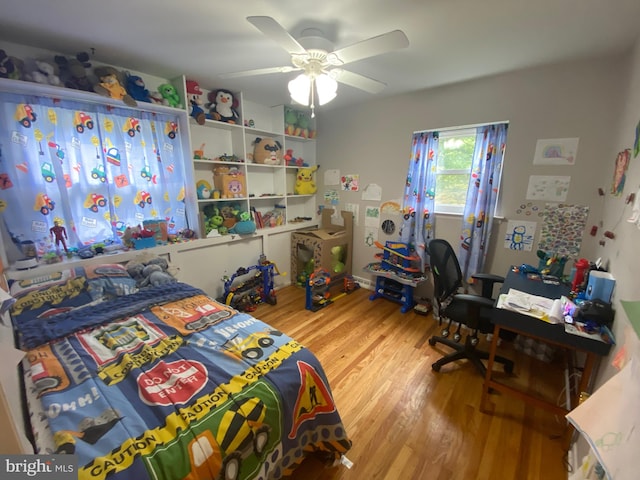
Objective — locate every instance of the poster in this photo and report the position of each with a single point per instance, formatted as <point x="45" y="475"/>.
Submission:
<point x="548" y="187"/>
<point x="520" y="235"/>
<point x="556" y="151"/>
<point x="620" y="172"/>
<point x="562" y="229"/>
<point x="355" y="209"/>
<point x="350" y="182"/>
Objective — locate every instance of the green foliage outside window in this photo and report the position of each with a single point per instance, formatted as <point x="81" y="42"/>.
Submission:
<point x="453" y="169"/>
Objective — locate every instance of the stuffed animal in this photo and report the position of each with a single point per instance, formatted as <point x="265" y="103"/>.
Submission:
<point x="136" y="88"/>
<point x="151" y="272"/>
<point x="244" y="226"/>
<point x="194" y="96"/>
<point x="170" y="94"/>
<point x="73" y="72"/>
<point x="156" y="98"/>
<point x="267" y="151"/>
<point x="203" y="189"/>
<point x="304" y="181"/>
<point x="302" y="125"/>
<point x="110" y="85"/>
<point x="41" y="71"/>
<point x="223" y="106"/>
<point x="7" y="66"/>
<point x="290" y="120"/>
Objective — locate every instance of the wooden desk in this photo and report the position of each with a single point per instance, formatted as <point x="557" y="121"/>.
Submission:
<point x="553" y="334"/>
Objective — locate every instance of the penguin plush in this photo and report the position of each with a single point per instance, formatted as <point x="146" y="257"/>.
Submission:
<point x="222" y="106"/>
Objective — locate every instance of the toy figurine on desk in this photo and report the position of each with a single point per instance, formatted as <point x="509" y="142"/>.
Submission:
<point x="59" y="234"/>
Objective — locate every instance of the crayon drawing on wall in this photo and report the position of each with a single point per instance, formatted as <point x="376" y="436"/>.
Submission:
<point x="520" y="235"/>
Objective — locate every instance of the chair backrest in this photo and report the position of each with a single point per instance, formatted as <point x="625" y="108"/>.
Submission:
<point x="447" y="276"/>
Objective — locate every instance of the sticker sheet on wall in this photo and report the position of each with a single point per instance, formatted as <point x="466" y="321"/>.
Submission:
<point x="563" y="228"/>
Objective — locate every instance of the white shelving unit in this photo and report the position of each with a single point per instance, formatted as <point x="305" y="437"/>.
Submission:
<point x="268" y="187"/>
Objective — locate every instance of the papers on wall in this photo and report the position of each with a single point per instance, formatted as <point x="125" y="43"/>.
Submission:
<point x="350" y="183"/>
<point x="355" y="209"/>
<point x="520" y="235"/>
<point x="332" y="177"/>
<point x="548" y="187"/>
<point x="372" y="216"/>
<point x="542" y="308"/>
<point x="556" y="151"/>
<point x="610" y="421"/>
<point x="372" y="192"/>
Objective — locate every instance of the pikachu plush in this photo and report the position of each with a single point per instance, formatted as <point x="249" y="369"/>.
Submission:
<point x="304" y="181"/>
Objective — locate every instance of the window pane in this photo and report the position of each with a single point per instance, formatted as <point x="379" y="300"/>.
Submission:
<point x="451" y="189"/>
<point x="456" y="153"/>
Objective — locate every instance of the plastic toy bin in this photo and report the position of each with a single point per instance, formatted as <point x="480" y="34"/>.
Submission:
<point x="328" y="247"/>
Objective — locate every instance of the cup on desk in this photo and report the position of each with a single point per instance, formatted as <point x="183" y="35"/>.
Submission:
<point x="600" y="286"/>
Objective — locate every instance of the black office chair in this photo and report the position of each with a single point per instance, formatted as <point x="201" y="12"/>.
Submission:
<point x="474" y="311"/>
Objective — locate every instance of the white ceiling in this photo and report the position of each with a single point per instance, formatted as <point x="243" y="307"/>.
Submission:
<point x="450" y="40"/>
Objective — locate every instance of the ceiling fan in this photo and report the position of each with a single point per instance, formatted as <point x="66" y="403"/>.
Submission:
<point x="320" y="63"/>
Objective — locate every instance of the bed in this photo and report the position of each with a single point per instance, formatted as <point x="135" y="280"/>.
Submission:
<point x="164" y="382"/>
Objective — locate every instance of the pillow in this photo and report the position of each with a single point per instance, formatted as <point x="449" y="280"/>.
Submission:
<point x="49" y="294"/>
<point x="109" y="281"/>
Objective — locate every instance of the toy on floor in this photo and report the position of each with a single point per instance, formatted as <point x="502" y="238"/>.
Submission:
<point x="246" y="295"/>
<point x="318" y="290"/>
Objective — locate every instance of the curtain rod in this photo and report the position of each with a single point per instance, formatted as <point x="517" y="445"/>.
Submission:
<point x="462" y="127"/>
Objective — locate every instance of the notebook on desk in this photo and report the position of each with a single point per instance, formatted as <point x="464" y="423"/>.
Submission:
<point x="542" y="308"/>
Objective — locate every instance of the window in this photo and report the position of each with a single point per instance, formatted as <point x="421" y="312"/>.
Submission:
<point x="453" y="167"/>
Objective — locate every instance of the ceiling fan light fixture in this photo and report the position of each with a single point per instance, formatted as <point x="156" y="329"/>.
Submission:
<point x="327" y="88"/>
<point x="300" y="89"/>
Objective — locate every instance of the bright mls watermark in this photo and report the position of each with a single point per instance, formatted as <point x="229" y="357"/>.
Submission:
<point x="39" y="467"/>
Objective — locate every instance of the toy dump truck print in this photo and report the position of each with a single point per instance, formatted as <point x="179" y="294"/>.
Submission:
<point x="25" y="115"/>
<point x="44" y="204"/>
<point x="81" y="121"/>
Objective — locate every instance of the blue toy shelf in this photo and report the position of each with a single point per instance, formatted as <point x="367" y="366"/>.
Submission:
<point x="396" y="274"/>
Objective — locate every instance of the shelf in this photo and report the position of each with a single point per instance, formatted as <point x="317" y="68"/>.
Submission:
<point x="269" y="187"/>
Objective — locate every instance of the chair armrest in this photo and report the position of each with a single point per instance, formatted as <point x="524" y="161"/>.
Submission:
<point x="488" y="281"/>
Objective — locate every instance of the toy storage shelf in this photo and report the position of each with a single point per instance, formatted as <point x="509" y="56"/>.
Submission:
<point x="269" y="188"/>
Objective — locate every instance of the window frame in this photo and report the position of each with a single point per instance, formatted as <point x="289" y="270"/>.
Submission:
<point x="450" y="209"/>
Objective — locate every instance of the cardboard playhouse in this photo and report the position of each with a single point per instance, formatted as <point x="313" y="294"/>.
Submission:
<point x="328" y="247"/>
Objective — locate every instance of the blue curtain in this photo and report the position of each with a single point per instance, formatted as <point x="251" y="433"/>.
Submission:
<point x="418" y="225"/>
<point x="93" y="169"/>
<point x="482" y="195"/>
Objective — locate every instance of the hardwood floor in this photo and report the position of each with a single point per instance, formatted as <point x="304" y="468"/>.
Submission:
<point x="406" y="421"/>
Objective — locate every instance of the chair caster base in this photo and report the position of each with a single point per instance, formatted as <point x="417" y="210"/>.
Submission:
<point x="435" y="367"/>
<point x="432" y="341"/>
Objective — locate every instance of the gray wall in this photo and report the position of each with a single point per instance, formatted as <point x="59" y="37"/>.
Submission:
<point x="580" y="99"/>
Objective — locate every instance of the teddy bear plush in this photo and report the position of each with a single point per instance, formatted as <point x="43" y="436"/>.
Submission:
<point x="170" y="94"/>
<point x="73" y="72"/>
<point x="41" y="71"/>
<point x="267" y="151"/>
<point x="304" y="181"/>
<point x="110" y="85"/>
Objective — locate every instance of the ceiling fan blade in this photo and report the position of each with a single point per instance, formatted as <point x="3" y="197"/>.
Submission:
<point x="259" y="71"/>
<point x="356" y="80"/>
<point x="384" y="43"/>
<point x="277" y="33"/>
